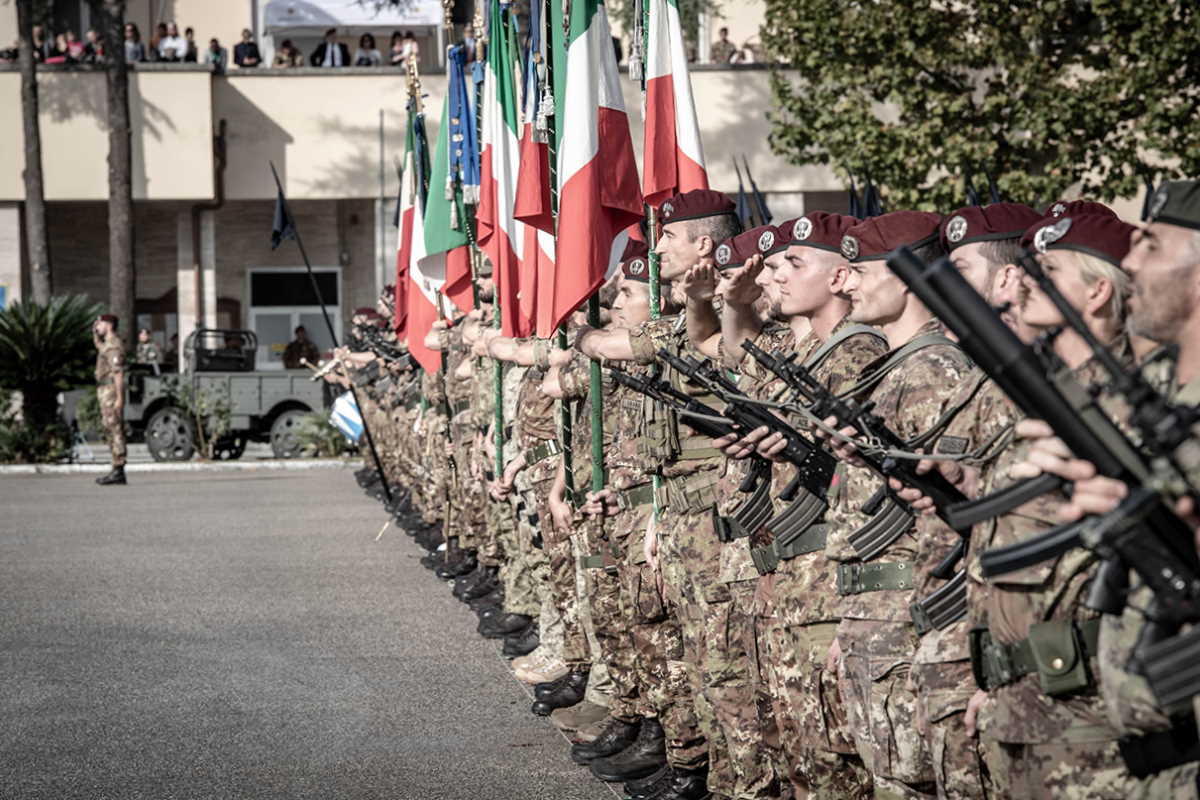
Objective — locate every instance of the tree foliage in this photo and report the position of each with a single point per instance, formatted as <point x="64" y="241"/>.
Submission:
<point x="1042" y="96"/>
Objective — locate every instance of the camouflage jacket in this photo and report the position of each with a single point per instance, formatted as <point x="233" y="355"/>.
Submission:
<point x="110" y="359"/>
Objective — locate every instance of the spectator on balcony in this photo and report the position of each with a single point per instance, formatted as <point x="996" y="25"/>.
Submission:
<point x="367" y="54"/>
<point x="396" y="49"/>
<point x="160" y="33"/>
<point x="135" y="51"/>
<point x="9" y="54"/>
<point x="410" y="46"/>
<point x="191" y="55"/>
<point x="93" y="49"/>
<point x="75" y="50"/>
<point x="723" y="51"/>
<point x="171" y="46"/>
<point x="245" y="52"/>
<point x="288" y="56"/>
<point x="216" y="56"/>
<point x="331" y="52"/>
<point x="43" y="48"/>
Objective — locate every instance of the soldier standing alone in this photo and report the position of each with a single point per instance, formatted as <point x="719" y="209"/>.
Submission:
<point x="110" y="391"/>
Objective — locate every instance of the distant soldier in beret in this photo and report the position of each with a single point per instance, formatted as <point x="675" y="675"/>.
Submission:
<point x="110" y="391"/>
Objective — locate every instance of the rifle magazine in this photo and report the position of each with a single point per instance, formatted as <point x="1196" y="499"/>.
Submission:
<point x="887" y="525"/>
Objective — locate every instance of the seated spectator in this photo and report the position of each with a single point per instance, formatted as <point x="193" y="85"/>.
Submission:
<point x="367" y="55"/>
<point x="191" y="54"/>
<point x="135" y="51"/>
<point x="300" y="348"/>
<point x="160" y="33"/>
<point x="75" y="50"/>
<point x="723" y="51"/>
<point x="43" y="48"/>
<point x="331" y="52"/>
<point x="147" y="349"/>
<point x="288" y="56"/>
<point x="216" y="55"/>
<point x="172" y="46"/>
<point x="396" y="49"/>
<point x="59" y="53"/>
<point x="9" y="55"/>
<point x="245" y="52"/>
<point x="411" y="48"/>
<point x="93" y="50"/>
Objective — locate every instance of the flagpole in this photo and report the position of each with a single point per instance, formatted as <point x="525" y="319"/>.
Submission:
<point x="312" y="278"/>
<point x="651" y="238"/>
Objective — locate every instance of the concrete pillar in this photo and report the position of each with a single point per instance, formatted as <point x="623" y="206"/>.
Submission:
<point x="187" y="281"/>
<point x="208" y="266"/>
<point x="11" y="253"/>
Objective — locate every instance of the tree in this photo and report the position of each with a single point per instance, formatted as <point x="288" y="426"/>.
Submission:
<point x="1041" y="96"/>
<point x="120" y="163"/>
<point x="46" y="348"/>
<point x="36" y="244"/>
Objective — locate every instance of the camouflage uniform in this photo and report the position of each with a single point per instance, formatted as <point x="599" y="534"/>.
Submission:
<point x="876" y="633"/>
<point x="1035" y="743"/>
<point x="688" y="550"/>
<point x="796" y="606"/>
<point x="110" y="362"/>
<point x="436" y="489"/>
<point x="147" y="353"/>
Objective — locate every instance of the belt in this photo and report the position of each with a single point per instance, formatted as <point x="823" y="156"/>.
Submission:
<point x="539" y="452"/>
<point x="874" y="577"/>
<point x="602" y="561"/>
<point x="683" y="498"/>
<point x="105" y="382"/>
<point x="636" y="496"/>
<point x="766" y="559"/>
<point x="997" y="664"/>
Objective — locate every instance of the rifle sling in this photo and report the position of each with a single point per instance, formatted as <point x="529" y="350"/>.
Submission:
<point x="893" y="360"/>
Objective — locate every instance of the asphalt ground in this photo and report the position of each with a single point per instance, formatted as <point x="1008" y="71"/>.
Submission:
<point x="226" y="635"/>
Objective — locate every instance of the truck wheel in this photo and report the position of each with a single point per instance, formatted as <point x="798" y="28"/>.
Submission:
<point x="284" y="442"/>
<point x="230" y="447"/>
<point x="169" y="435"/>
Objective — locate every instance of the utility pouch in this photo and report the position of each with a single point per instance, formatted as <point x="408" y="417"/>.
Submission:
<point x="1060" y="655"/>
<point x="1172" y="668"/>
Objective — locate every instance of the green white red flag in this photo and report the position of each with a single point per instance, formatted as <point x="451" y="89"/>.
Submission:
<point x="673" y="154"/>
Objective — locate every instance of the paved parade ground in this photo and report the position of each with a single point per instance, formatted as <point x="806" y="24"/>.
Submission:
<point x="229" y="635"/>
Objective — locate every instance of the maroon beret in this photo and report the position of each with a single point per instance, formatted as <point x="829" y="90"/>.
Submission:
<point x="986" y="223"/>
<point x="874" y="238"/>
<point x="1073" y="208"/>
<point x="822" y="230"/>
<point x="1099" y="235"/>
<point x="365" y="311"/>
<point x="109" y="318"/>
<point x="783" y="237"/>
<point x="736" y="250"/>
<point x="635" y="262"/>
<point x="695" y="204"/>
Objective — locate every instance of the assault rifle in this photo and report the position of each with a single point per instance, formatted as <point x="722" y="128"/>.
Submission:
<point x="1143" y="533"/>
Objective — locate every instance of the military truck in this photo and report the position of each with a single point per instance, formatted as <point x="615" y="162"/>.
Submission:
<point x="219" y="375"/>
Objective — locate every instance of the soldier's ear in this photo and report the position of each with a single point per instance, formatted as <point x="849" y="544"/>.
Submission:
<point x="704" y="245"/>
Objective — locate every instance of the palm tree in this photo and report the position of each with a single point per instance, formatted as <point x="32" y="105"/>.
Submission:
<point x="45" y="349"/>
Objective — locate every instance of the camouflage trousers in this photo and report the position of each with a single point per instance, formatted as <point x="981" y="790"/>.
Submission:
<point x="943" y="691"/>
<point x="560" y="555"/>
<point x="114" y="425"/>
<point x="881" y="706"/>
<point x="735" y="690"/>
<point x="609" y="624"/>
<point x="1064" y="769"/>
<point x="524" y="568"/>
<point x="819" y="757"/>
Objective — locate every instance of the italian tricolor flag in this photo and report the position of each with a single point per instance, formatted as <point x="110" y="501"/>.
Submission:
<point x="674" y="157"/>
<point x="597" y="175"/>
<point x="501" y="235"/>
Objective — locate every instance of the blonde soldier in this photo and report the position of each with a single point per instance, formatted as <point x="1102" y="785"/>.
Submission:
<point x="110" y="392"/>
<point x="681" y="542"/>
<point x="1165" y="307"/>
<point x="796" y="616"/>
<point x="910" y="389"/>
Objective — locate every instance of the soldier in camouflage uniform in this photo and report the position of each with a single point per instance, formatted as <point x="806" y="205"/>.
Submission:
<point x="110" y="392"/>
<point x="682" y="540"/>
<point x="796" y="601"/>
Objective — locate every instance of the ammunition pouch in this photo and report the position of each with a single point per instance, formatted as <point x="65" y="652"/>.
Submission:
<point x="887" y="525"/>
<point x="942" y="607"/>
<point x="1172" y="668"/>
<point x="603" y="561"/>
<point x="540" y="452"/>
<point x="636" y="496"/>
<point x="1057" y="651"/>
<point x="879" y="577"/>
<point x="785" y="547"/>
<point x="689" y="493"/>
<point x="459" y="406"/>
<point x="1155" y="752"/>
<point x="748" y="517"/>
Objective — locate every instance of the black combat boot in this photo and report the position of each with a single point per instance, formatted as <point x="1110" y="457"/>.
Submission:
<point x="486" y="605"/>
<point x="642" y="788"/>
<point x="114" y="478"/>
<point x="645" y="756"/>
<point x="685" y="784"/>
<point x="460" y="566"/>
<point x="523" y="643"/>
<point x="615" y="737"/>
<point x="501" y="625"/>
<point x="569" y="692"/>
